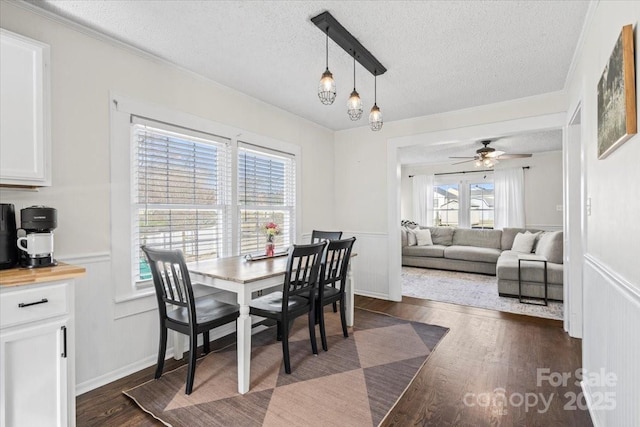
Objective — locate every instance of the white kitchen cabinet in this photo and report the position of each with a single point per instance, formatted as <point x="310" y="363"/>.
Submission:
<point x="37" y="349"/>
<point x="25" y="125"/>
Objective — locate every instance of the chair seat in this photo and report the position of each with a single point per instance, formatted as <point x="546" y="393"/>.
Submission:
<point x="207" y="310"/>
<point x="272" y="303"/>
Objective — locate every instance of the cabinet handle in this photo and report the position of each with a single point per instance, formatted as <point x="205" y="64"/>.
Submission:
<point x="64" y="341"/>
<point x="27" y="304"/>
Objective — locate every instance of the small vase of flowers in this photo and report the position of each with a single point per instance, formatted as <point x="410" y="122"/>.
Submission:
<point x="271" y="230"/>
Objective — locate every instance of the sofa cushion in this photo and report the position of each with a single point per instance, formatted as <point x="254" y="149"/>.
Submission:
<point x="472" y="253"/>
<point x="509" y="233"/>
<point x="507" y="269"/>
<point x="412" y="240"/>
<point x="550" y="246"/>
<point x="478" y="238"/>
<point x="423" y="237"/>
<point x="441" y="235"/>
<point x="433" y="251"/>
<point x="524" y="242"/>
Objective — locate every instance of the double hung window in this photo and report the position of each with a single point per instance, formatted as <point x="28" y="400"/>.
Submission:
<point x="180" y="190"/>
<point x="266" y="193"/>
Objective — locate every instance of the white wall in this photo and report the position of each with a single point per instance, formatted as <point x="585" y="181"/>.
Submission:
<point x="612" y="272"/>
<point x="84" y="68"/>
<point x="542" y="181"/>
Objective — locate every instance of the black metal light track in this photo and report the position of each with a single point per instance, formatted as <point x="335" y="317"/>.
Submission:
<point x="343" y="38"/>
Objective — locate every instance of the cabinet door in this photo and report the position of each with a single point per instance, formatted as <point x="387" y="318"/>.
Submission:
<point x="33" y="381"/>
<point x="25" y="148"/>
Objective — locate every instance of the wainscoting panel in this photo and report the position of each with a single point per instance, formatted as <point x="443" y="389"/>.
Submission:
<point x="611" y="346"/>
<point x="371" y="266"/>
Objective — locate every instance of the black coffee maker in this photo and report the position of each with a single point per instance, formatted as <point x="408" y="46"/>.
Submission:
<point x="36" y="240"/>
<point x="8" y="237"/>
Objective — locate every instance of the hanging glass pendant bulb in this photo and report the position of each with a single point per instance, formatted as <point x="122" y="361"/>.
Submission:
<point x="354" y="104"/>
<point x="375" y="117"/>
<point x="327" y="86"/>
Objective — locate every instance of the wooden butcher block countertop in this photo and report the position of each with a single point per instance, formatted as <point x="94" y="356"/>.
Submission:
<point x="30" y="276"/>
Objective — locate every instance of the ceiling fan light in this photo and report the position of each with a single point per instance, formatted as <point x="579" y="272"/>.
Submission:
<point x="487" y="162"/>
<point x="375" y="118"/>
<point x="327" y="88"/>
<point x="478" y="163"/>
<point x="354" y="106"/>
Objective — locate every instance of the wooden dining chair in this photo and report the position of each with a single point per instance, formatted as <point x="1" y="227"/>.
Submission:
<point x="193" y="316"/>
<point x="332" y="283"/>
<point x="296" y="297"/>
<point x="320" y="236"/>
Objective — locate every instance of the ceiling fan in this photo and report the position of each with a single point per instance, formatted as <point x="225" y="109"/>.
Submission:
<point x="488" y="156"/>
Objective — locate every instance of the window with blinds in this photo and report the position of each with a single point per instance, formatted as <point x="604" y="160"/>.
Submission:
<point x="181" y="193"/>
<point x="266" y="193"/>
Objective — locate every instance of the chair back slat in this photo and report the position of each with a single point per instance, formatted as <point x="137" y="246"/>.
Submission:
<point x="336" y="263"/>
<point x="321" y="236"/>
<point x="303" y="267"/>
<point x="170" y="279"/>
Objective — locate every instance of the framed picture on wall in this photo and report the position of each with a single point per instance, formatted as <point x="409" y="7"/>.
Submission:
<point x="617" y="120"/>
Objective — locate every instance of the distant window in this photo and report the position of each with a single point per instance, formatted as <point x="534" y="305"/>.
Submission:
<point x="458" y="202"/>
<point x="446" y="205"/>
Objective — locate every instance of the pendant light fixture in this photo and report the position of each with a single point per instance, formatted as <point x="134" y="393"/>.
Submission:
<point x="327" y="89"/>
<point x="354" y="104"/>
<point x="327" y="86"/>
<point x="375" y="117"/>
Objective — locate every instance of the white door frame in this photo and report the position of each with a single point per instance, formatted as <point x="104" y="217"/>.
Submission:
<point x="574" y="218"/>
<point x="444" y="137"/>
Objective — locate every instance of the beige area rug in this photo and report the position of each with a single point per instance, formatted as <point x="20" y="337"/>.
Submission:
<point x="475" y="290"/>
<point x="355" y="383"/>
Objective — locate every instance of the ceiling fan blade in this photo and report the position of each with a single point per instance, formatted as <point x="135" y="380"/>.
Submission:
<point x="465" y="161"/>
<point x="494" y="154"/>
<point x="513" y="156"/>
<point x="465" y="157"/>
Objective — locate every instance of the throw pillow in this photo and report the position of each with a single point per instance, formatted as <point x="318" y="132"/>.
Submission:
<point x="423" y="237"/>
<point x="412" y="240"/>
<point x="403" y="237"/>
<point x="550" y="246"/>
<point x="523" y="242"/>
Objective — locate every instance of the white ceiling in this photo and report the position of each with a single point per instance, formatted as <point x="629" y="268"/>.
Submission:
<point x="527" y="143"/>
<point x="440" y="55"/>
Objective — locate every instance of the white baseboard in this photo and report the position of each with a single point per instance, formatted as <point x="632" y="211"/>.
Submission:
<point x="373" y="295"/>
<point x="117" y="374"/>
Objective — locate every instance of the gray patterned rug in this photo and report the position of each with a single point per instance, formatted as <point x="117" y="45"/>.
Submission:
<point x="476" y="290"/>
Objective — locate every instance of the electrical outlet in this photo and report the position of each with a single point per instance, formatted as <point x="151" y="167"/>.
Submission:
<point x="588" y="206"/>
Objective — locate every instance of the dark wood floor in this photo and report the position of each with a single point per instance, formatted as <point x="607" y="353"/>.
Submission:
<point x="487" y="358"/>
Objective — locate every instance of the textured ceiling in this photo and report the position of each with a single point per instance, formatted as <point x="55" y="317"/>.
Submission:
<point x="528" y="143"/>
<point x="440" y="55"/>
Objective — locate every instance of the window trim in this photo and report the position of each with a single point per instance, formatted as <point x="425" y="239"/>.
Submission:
<point x="121" y="159"/>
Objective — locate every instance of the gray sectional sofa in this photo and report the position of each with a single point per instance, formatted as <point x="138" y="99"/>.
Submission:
<point x="489" y="252"/>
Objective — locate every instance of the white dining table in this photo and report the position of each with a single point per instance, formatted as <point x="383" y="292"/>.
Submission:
<point x="243" y="277"/>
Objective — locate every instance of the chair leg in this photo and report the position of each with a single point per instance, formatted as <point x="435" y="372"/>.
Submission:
<point x="205" y="342"/>
<point x="191" y="372"/>
<point x="312" y="330"/>
<point x="285" y="346"/>
<point x="162" y="350"/>
<point x="278" y="331"/>
<point x="323" y="332"/>
<point x="335" y="307"/>
<point x="343" y="318"/>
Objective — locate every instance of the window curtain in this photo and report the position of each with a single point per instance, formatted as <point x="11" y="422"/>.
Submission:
<point x="509" y="198"/>
<point x="423" y="199"/>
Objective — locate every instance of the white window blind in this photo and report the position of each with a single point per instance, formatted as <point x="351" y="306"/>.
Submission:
<point x="181" y="192"/>
<point x="266" y="193"/>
